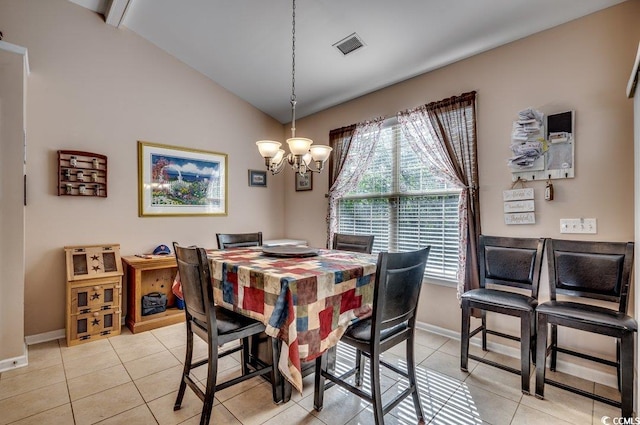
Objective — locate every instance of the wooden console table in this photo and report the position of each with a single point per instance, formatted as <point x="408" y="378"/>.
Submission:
<point x="146" y="275"/>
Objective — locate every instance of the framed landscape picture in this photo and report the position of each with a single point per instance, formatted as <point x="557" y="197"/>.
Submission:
<point x="176" y="181"/>
<point x="257" y="178"/>
<point x="304" y="182"/>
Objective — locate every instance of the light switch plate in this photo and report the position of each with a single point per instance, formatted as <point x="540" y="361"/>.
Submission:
<point x="578" y="225"/>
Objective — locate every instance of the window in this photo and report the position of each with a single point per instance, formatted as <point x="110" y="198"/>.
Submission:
<point x="404" y="206"/>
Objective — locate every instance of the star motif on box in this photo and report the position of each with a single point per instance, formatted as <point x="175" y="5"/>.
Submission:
<point x="95" y="258"/>
<point x="95" y="296"/>
<point x="96" y="268"/>
<point x="95" y="322"/>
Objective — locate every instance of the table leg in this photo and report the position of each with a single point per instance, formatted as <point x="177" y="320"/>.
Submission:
<point x="266" y="350"/>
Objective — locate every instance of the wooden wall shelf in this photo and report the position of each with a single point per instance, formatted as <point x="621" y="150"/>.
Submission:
<point x="82" y="174"/>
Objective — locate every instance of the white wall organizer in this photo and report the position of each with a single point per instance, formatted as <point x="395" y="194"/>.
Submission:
<point x="543" y="147"/>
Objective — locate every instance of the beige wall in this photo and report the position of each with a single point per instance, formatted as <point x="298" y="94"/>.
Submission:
<point x="12" y="76"/>
<point x="100" y="89"/>
<point x="583" y="65"/>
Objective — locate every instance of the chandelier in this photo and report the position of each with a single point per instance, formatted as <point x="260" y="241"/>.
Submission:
<point x="302" y="151"/>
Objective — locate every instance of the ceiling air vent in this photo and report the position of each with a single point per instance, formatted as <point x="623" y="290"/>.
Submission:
<point x="349" y="44"/>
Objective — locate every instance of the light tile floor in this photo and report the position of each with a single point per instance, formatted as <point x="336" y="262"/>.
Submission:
<point x="133" y="379"/>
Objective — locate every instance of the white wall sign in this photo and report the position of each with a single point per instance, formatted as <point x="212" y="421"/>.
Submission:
<point x="519" y="206"/>
<point x="520" y="218"/>
<point x="517" y="194"/>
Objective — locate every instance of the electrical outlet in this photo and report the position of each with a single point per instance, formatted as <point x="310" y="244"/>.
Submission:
<point x="578" y="225"/>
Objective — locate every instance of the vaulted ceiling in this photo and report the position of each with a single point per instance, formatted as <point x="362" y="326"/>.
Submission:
<point x="245" y="45"/>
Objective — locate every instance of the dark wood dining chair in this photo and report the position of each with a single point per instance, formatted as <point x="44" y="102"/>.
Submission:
<point x="579" y="271"/>
<point x="235" y="240"/>
<point x="505" y="263"/>
<point x="355" y="243"/>
<point x="397" y="289"/>
<point x="216" y="326"/>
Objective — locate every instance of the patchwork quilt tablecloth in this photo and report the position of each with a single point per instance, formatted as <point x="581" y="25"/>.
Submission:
<point x="305" y="302"/>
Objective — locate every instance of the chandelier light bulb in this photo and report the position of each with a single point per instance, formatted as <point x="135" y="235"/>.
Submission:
<point x="299" y="145"/>
<point x="320" y="152"/>
<point x="268" y="148"/>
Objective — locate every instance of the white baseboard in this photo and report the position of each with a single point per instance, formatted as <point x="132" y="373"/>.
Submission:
<point x="44" y="337"/>
<point x="604" y="378"/>
<point x="52" y="335"/>
<point x="15" y="362"/>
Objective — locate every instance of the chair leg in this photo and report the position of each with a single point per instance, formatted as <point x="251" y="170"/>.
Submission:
<point x="245" y="356"/>
<point x="411" y="369"/>
<point x="554" y="347"/>
<point x="318" y="393"/>
<point x="541" y="356"/>
<point x="376" y="395"/>
<point x="359" y="367"/>
<point x="484" y="330"/>
<point x="618" y="366"/>
<point x="533" y="327"/>
<point x="533" y="346"/>
<point x="464" y="338"/>
<point x="525" y="348"/>
<point x="187" y="368"/>
<point x="212" y="373"/>
<point x="626" y="372"/>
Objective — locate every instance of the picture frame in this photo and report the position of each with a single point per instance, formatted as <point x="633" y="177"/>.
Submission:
<point x="304" y="181"/>
<point x="177" y="181"/>
<point x="257" y="178"/>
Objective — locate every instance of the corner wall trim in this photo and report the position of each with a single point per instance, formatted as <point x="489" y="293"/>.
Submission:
<point x="15" y="362"/>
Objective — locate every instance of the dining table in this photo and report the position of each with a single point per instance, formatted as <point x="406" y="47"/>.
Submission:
<point x="305" y="297"/>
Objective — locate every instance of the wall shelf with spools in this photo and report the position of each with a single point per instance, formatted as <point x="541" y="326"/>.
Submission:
<point x="82" y="174"/>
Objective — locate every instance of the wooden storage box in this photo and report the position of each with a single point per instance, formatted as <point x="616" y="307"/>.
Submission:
<point x="94" y="292"/>
<point x="94" y="325"/>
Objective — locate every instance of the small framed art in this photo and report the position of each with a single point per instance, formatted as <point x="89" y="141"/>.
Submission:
<point x="257" y="178"/>
<point x="304" y="181"/>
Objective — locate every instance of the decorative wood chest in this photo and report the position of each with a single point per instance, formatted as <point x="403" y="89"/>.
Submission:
<point x="94" y="292"/>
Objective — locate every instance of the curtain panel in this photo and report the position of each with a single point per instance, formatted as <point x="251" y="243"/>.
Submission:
<point x="356" y="152"/>
<point x="443" y="135"/>
<point x="339" y="140"/>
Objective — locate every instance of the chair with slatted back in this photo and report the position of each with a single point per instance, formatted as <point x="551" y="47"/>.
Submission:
<point x="216" y="326"/>
<point x="395" y="299"/>
<point x="581" y="271"/>
<point x="236" y="240"/>
<point x="354" y="243"/>
<point x="505" y="263"/>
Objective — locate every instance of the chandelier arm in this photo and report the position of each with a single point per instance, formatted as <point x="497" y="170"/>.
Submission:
<point x="319" y="166"/>
<point x="277" y="168"/>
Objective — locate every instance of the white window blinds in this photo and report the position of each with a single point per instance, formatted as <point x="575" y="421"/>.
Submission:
<point x="404" y="206"/>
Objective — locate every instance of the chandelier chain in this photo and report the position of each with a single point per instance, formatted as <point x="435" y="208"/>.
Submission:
<point x="293" y="53"/>
<point x="293" y="69"/>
